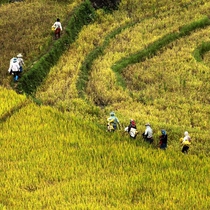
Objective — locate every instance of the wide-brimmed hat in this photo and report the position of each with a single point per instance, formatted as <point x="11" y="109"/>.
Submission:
<point x="186" y="133"/>
<point x="19" y="55"/>
<point x="147" y="124"/>
<point x="112" y="113"/>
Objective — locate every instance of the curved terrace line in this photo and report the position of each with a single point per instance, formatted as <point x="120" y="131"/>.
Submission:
<point x="154" y="47"/>
<point x="13" y="110"/>
<point x="201" y="50"/>
<point x="94" y="54"/>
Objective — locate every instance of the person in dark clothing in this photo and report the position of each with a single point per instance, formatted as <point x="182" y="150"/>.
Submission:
<point x="163" y="140"/>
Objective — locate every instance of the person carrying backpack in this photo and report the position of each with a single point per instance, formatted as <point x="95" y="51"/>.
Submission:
<point x="112" y="122"/>
<point x="132" y="129"/>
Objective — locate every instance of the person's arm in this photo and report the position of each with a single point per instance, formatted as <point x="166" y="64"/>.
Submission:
<point x="10" y="66"/>
<point x="129" y="128"/>
<point x="146" y="132"/>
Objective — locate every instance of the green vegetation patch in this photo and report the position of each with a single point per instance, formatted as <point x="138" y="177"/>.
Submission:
<point x="201" y="50"/>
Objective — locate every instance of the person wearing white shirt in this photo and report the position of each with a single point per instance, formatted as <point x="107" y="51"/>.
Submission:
<point x="14" y="68"/>
<point x="58" y="28"/>
<point x="14" y="59"/>
<point x="20" y="61"/>
<point x="147" y="135"/>
<point x="186" y="141"/>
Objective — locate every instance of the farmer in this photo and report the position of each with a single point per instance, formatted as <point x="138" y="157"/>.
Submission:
<point x="20" y="61"/>
<point x="132" y="129"/>
<point x="14" y="68"/>
<point x="147" y="135"/>
<point x="58" y="28"/>
<point x="186" y="141"/>
<point x="112" y="122"/>
<point x="14" y="59"/>
<point x="163" y="139"/>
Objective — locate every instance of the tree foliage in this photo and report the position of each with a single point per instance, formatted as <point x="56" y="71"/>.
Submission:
<point x="110" y="4"/>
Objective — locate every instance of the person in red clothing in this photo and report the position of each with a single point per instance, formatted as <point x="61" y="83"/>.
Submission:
<point x="132" y="129"/>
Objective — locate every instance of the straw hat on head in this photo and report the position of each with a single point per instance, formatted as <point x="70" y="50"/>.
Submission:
<point x="19" y="55"/>
<point x="147" y="124"/>
<point x="112" y="113"/>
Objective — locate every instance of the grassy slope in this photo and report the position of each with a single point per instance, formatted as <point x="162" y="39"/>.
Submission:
<point x="47" y="162"/>
<point x="51" y="163"/>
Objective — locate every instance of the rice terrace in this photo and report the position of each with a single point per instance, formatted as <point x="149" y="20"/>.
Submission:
<point x="145" y="60"/>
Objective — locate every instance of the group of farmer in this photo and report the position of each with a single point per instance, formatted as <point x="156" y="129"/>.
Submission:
<point x="113" y="123"/>
<point x="16" y="63"/>
<point x="16" y="66"/>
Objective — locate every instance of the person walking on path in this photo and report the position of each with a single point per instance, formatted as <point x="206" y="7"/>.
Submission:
<point x="20" y="61"/>
<point x="14" y="68"/>
<point x="58" y="28"/>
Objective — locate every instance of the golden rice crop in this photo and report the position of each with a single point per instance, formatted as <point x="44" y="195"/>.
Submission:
<point x="9" y="100"/>
<point x="178" y="75"/>
<point x="129" y="41"/>
<point x="60" y="86"/>
<point x="60" y="161"/>
<point x="65" y="160"/>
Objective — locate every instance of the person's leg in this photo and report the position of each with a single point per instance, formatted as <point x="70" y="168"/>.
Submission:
<point x="150" y="140"/>
<point x="56" y="33"/>
<point x="185" y="149"/>
<point x="163" y="146"/>
<point x="15" y="76"/>
<point x="59" y="33"/>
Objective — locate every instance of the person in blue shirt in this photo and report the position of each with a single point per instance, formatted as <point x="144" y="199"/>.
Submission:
<point x="112" y="122"/>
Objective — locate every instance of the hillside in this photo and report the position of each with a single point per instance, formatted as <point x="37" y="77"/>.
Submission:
<point x="148" y="61"/>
